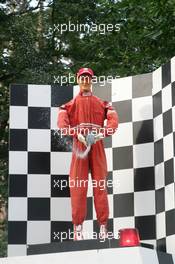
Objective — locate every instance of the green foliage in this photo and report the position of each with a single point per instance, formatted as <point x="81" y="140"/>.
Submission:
<point x="33" y="51"/>
<point x="3" y="239"/>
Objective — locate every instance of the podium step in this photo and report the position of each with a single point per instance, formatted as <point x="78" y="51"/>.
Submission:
<point x="67" y="246"/>
<point x="121" y="255"/>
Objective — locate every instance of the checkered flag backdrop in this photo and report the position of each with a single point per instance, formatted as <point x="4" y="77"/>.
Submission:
<point x="140" y="156"/>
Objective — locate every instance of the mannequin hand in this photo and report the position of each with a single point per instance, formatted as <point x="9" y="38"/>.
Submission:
<point x="81" y="138"/>
<point x="98" y="137"/>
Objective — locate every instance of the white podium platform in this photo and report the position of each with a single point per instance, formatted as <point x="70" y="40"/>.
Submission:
<point x="125" y="255"/>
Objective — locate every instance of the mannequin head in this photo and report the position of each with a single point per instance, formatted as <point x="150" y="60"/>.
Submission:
<point x="84" y="79"/>
<point x="85" y="82"/>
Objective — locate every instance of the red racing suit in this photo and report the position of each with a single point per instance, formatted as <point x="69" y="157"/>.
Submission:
<point x="88" y="109"/>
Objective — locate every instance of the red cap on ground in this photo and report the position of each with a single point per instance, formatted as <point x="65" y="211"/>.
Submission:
<point x="85" y="70"/>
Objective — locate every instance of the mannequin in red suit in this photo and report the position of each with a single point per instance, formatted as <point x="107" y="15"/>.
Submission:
<point x="89" y="111"/>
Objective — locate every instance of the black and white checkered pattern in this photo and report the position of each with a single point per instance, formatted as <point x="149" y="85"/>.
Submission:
<point x="137" y="155"/>
<point x="164" y="144"/>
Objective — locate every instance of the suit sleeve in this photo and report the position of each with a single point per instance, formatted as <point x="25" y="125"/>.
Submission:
<point x="63" y="118"/>
<point x="63" y="122"/>
<point x="112" y="120"/>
